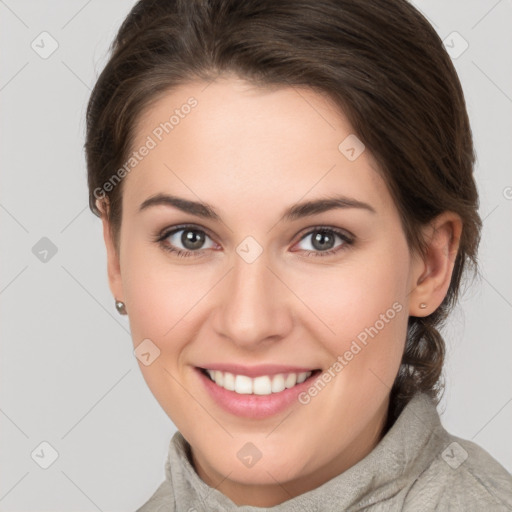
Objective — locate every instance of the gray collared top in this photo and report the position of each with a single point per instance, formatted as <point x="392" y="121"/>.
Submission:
<point x="417" y="466"/>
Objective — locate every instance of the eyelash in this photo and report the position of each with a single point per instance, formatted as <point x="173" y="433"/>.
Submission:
<point x="161" y="240"/>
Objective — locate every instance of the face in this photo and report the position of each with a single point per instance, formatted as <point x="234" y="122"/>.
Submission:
<point x="263" y="288"/>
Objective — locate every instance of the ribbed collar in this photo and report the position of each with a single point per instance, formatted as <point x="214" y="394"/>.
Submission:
<point x="400" y="457"/>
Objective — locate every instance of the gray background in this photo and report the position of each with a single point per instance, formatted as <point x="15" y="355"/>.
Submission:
<point x="68" y="374"/>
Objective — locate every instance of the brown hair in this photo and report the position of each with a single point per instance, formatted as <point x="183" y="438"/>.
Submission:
<point x="381" y="62"/>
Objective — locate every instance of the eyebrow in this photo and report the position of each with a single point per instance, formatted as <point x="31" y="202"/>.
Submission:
<point x="297" y="211"/>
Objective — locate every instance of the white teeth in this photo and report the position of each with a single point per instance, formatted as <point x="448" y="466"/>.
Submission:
<point x="263" y="385"/>
<point x="243" y="385"/>
<point x="302" y="377"/>
<point x="219" y="377"/>
<point x="229" y="381"/>
<point x="278" y="383"/>
<point x="291" y="380"/>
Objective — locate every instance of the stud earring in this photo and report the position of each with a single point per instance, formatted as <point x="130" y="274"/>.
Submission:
<point x="121" y="308"/>
<point x="423" y="305"/>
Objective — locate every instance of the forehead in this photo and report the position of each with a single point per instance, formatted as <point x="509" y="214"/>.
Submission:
<point x="233" y="140"/>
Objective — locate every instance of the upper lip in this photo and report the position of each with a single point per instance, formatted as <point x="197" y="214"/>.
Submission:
<point x="257" y="370"/>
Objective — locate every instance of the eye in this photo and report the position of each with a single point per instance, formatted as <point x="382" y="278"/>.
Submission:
<point x="185" y="241"/>
<point x="323" y="239"/>
<point x="189" y="241"/>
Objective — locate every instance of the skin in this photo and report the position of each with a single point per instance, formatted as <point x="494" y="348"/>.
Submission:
<point x="247" y="149"/>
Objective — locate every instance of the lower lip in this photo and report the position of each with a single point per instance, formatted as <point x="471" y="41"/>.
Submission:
<point x="254" y="406"/>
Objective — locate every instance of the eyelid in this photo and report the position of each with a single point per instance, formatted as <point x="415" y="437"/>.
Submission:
<point x="324" y="227"/>
<point x="166" y="232"/>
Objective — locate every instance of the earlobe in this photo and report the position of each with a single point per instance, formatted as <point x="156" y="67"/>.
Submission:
<point x="432" y="273"/>
<point x="113" y="263"/>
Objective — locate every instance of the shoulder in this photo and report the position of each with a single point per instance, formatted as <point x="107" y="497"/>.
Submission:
<point x="463" y="476"/>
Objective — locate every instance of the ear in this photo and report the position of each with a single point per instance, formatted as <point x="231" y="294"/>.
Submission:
<point x="432" y="273"/>
<point x="113" y="263"/>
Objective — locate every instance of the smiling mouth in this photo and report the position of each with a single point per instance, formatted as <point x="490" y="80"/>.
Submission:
<point x="262" y="385"/>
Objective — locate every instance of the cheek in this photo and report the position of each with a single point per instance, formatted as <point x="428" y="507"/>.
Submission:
<point x="159" y="298"/>
<point x="353" y="295"/>
<point x="364" y="303"/>
<point x="153" y="293"/>
<point x="366" y="308"/>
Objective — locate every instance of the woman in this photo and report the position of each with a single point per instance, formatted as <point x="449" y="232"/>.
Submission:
<point x="288" y="207"/>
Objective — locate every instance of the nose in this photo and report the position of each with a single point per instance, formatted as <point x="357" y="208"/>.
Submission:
<point x="254" y="306"/>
